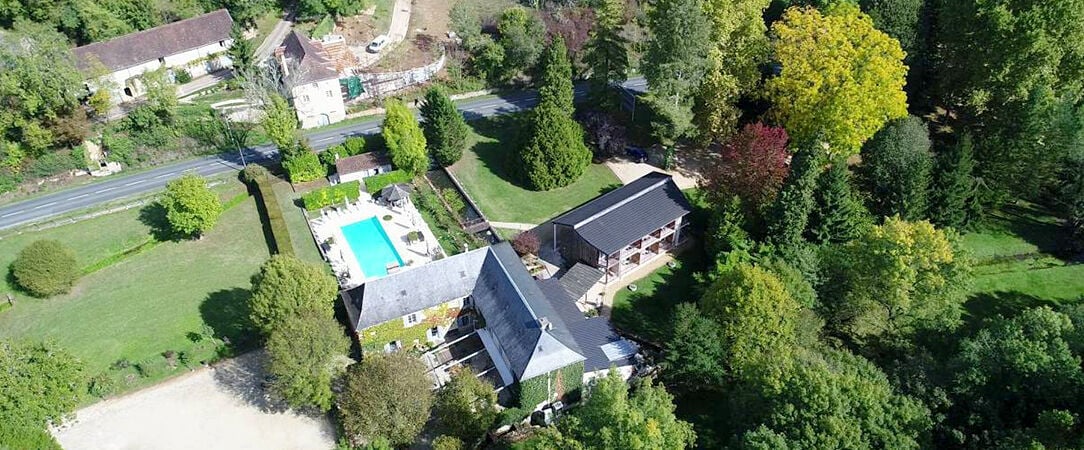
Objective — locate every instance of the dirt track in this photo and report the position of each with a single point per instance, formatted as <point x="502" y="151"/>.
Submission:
<point x="220" y="408"/>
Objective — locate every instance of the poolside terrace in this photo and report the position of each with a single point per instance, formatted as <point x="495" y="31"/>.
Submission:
<point x="410" y="236"/>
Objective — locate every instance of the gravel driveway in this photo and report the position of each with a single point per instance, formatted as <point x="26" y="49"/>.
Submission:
<point x="220" y="408"/>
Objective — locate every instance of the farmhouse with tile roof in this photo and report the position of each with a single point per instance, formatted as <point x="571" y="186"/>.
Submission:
<point x="197" y="45"/>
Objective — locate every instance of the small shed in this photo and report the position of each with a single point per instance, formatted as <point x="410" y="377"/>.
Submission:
<point x="354" y="168"/>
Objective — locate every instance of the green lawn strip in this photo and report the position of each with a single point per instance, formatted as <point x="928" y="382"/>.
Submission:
<point x="181" y="297"/>
<point x="148" y="244"/>
<point x="483" y="172"/>
<point x="1059" y="283"/>
<point x="450" y="235"/>
<point x="304" y="246"/>
<point x="646" y="313"/>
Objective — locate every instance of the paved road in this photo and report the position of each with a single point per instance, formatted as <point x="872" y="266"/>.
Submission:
<point x="117" y="187"/>
<point x="397" y="31"/>
<point x="273" y="39"/>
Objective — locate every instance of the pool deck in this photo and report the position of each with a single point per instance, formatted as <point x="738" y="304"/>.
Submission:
<point x="404" y="219"/>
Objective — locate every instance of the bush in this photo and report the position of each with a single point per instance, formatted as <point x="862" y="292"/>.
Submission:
<point x="26" y="436"/>
<point x="182" y="76"/>
<point x="511" y="416"/>
<point x="331" y="195"/>
<point x="53" y="163"/>
<point x="375" y="183"/>
<point x="280" y="234"/>
<point x="304" y="167"/>
<point x="46" y="268"/>
<point x="254" y="173"/>
<point x="354" y="146"/>
<point x="526" y="243"/>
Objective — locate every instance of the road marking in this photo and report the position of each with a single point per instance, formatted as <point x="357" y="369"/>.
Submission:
<point x="134" y="182"/>
<point x="99" y="191"/>
<point x="9" y="214"/>
<point x="79" y="196"/>
<point x="163" y="175"/>
<point x="44" y="206"/>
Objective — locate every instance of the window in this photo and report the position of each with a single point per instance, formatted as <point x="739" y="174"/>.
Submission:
<point x="162" y="60"/>
<point x="304" y="98"/>
<point x="221" y="43"/>
<point x="411" y="319"/>
<point x="434" y="332"/>
<point x="329" y="93"/>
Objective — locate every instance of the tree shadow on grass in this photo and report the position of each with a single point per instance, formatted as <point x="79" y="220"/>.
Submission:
<point x="984" y="306"/>
<point x="154" y="216"/>
<point x="648" y="316"/>
<point x="226" y="312"/>
<point x="1034" y="224"/>
<point x="497" y="156"/>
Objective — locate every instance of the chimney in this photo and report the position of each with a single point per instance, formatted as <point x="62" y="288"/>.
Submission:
<point x="544" y="324"/>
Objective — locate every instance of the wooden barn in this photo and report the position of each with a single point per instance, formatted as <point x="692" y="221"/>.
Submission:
<point x="624" y="228"/>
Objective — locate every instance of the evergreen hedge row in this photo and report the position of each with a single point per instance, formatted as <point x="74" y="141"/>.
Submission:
<point x="331" y="195"/>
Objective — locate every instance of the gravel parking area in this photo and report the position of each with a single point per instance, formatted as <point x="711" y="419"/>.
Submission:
<point x="220" y="408"/>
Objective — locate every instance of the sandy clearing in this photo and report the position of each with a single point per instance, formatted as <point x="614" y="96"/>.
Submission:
<point x="220" y="408"/>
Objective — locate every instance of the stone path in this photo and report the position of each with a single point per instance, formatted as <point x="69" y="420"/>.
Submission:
<point x="514" y="225"/>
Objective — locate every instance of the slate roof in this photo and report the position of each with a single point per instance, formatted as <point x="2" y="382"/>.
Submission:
<point x="591" y="335"/>
<point x="158" y="42"/>
<point x="512" y="304"/>
<point x="509" y="299"/>
<point x="414" y="289"/>
<point x="364" y="161"/>
<point x="612" y="220"/>
<point x="594" y="335"/>
<point x="309" y="58"/>
<point x="579" y="279"/>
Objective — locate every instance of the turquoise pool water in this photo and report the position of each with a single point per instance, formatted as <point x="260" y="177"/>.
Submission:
<point x="372" y="247"/>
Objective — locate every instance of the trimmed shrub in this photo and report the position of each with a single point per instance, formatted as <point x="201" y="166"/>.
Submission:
<point x="45" y="268"/>
<point x="280" y="234"/>
<point x="331" y="195"/>
<point x="253" y="173"/>
<point x="526" y="243"/>
<point x="375" y="183"/>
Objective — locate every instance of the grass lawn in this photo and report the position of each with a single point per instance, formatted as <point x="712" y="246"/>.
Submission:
<point x="483" y="171"/>
<point x="1017" y="263"/>
<point x="172" y="297"/>
<point x="304" y="247"/>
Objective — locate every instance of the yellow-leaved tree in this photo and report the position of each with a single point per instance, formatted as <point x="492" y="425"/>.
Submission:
<point x="841" y="79"/>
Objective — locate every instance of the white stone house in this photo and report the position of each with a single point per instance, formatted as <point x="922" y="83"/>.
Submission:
<point x="310" y="76"/>
<point x="357" y="167"/>
<point x="197" y="45"/>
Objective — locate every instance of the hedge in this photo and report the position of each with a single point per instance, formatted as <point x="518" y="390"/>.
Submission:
<point x="375" y="183"/>
<point x="280" y="234"/>
<point x="331" y="195"/>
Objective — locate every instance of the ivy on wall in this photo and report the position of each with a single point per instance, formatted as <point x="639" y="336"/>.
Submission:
<point x="565" y="383"/>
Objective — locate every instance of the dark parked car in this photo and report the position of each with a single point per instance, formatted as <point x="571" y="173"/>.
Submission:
<point x="637" y="154"/>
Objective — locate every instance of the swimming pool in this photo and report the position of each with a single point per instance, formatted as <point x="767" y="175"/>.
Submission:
<point x="372" y="247"/>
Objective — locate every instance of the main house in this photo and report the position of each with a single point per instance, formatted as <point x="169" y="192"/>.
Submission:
<point x="481" y="309"/>
<point x="196" y="45"/>
<point x="310" y="73"/>
<point x="624" y="228"/>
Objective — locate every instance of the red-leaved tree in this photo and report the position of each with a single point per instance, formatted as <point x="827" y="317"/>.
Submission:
<point x="526" y="243"/>
<point x="752" y="167"/>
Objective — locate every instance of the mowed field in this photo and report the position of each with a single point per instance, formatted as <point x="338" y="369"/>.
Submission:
<point x="152" y="308"/>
